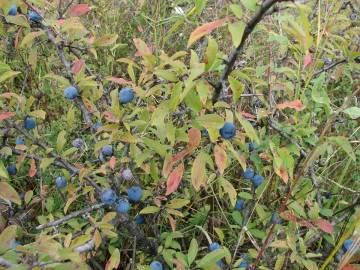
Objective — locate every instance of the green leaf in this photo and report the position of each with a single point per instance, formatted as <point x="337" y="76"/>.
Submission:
<point x="211" y="53"/>
<point x="237" y="88"/>
<point x="177" y="203"/>
<point x="18" y="20"/>
<point x="230" y="190"/>
<point x="249" y="130"/>
<point x="245" y="195"/>
<point x="249" y="4"/>
<point x="167" y="75"/>
<point x="105" y="40"/>
<point x="353" y="112"/>
<point x="114" y="261"/>
<point x="150" y="210"/>
<point x="211" y="258"/>
<point x="236" y="30"/>
<point x="29" y="38"/>
<point x="45" y="162"/>
<point x="3" y="171"/>
<point x="318" y="92"/>
<point x="61" y="140"/>
<point x="203" y="89"/>
<point x="193" y="250"/>
<point x="344" y="144"/>
<point x="237" y="10"/>
<point x="210" y="121"/>
<point x="156" y="146"/>
<point x="8" y="75"/>
<point x="192" y="100"/>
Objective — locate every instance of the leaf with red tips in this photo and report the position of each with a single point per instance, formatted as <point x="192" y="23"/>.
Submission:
<point x="79" y="10"/>
<point x="6" y="115"/>
<point x="220" y="158"/>
<point x="174" y="179"/>
<point x="77" y="66"/>
<point x="142" y="48"/>
<point x="112" y="162"/>
<point x="307" y="60"/>
<point x="109" y="116"/>
<point x="324" y="225"/>
<point x="32" y="170"/>
<point x="295" y="104"/>
<point x="203" y="30"/>
<point x="120" y="81"/>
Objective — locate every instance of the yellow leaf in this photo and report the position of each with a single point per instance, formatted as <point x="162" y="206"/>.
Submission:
<point x="7" y="192"/>
<point x="198" y="172"/>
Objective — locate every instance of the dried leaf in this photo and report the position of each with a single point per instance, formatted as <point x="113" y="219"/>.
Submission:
<point x="120" y="81"/>
<point x="77" y="66"/>
<point x="112" y="162"/>
<point x="174" y="179"/>
<point x="220" y="158"/>
<point x="7" y="192"/>
<point x="203" y="30"/>
<point x="198" y="172"/>
<point x="6" y="115"/>
<point x="142" y="48"/>
<point x="296" y="104"/>
<point x="79" y="10"/>
<point x="324" y="225"/>
<point x="32" y="170"/>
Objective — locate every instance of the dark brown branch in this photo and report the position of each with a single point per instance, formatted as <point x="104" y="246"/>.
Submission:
<point x="250" y="26"/>
<point x="331" y="66"/>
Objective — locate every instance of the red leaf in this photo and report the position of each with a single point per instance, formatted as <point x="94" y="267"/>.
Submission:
<point x="349" y="267"/>
<point x="203" y="30"/>
<point x="295" y="104"/>
<point x="60" y="22"/>
<point x="79" y="10"/>
<point x="324" y="225"/>
<point x="142" y="48"/>
<point x="248" y="115"/>
<point x="6" y="115"/>
<point x="109" y="116"/>
<point x="307" y="60"/>
<point x="220" y="158"/>
<point x="77" y="66"/>
<point x="32" y="170"/>
<point x="194" y="136"/>
<point x="174" y="179"/>
<point x="120" y="81"/>
<point x="112" y="162"/>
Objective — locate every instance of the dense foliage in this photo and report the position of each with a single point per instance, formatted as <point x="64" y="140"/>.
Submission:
<point x="184" y="134"/>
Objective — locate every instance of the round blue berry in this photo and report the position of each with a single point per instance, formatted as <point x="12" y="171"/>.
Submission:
<point x="108" y="196"/>
<point x="34" y="16"/>
<point x="228" y="131"/>
<point x="248" y="173"/>
<point x="12" y="10"/>
<point x="107" y="150"/>
<point x="77" y="143"/>
<point x="239" y="204"/>
<point x="70" y="92"/>
<point x="127" y="174"/>
<point x="275" y="218"/>
<point x="29" y="123"/>
<point x="205" y="133"/>
<point x="346" y="245"/>
<point x="257" y="180"/>
<point x="139" y="219"/>
<point x="134" y="193"/>
<point x="156" y="265"/>
<point x="20" y="141"/>
<point x="122" y="205"/>
<point x="252" y="146"/>
<point x="220" y="264"/>
<point x="214" y="246"/>
<point x="11" y="169"/>
<point x="244" y="264"/>
<point x="126" y="95"/>
<point x="60" y="182"/>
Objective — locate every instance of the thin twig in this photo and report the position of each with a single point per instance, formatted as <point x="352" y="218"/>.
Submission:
<point x="329" y="67"/>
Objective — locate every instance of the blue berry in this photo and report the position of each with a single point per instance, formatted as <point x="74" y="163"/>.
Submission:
<point x="12" y="10"/>
<point x="70" y="92"/>
<point x="239" y="204"/>
<point x="139" y="219"/>
<point x="97" y="125"/>
<point x="29" y="123"/>
<point x="205" y="133"/>
<point x="214" y="246"/>
<point x="244" y="264"/>
<point x="107" y="150"/>
<point x="135" y="193"/>
<point x="248" y="174"/>
<point x="346" y="245"/>
<point x="127" y="174"/>
<point x="126" y="95"/>
<point x="14" y="244"/>
<point x="60" y="182"/>
<point x="11" y="169"/>
<point x="275" y="218"/>
<point x="108" y="196"/>
<point x="78" y="143"/>
<point x="228" y="131"/>
<point x="20" y="141"/>
<point x="257" y="180"/>
<point x="122" y="205"/>
<point x="220" y="264"/>
<point x="156" y="265"/>
<point x="34" y="16"/>
<point x="252" y="146"/>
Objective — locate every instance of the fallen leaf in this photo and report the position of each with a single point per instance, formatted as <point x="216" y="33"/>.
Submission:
<point x="203" y="30"/>
<point x="296" y="104"/>
<point x="79" y="10"/>
<point x="174" y="179"/>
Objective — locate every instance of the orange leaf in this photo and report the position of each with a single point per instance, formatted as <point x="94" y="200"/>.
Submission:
<point x="307" y="60"/>
<point x="281" y="171"/>
<point x="203" y="30"/>
<point x="174" y="179"/>
<point x="79" y="10"/>
<point x="172" y="222"/>
<point x="248" y="115"/>
<point x="349" y="267"/>
<point x="120" y="81"/>
<point x="6" y="115"/>
<point x="220" y="158"/>
<point x="89" y="105"/>
<point x="32" y="170"/>
<point x="324" y="225"/>
<point x="296" y="104"/>
<point x="142" y="48"/>
<point x="112" y="162"/>
<point x="109" y="116"/>
<point x="194" y="138"/>
<point x="77" y="66"/>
